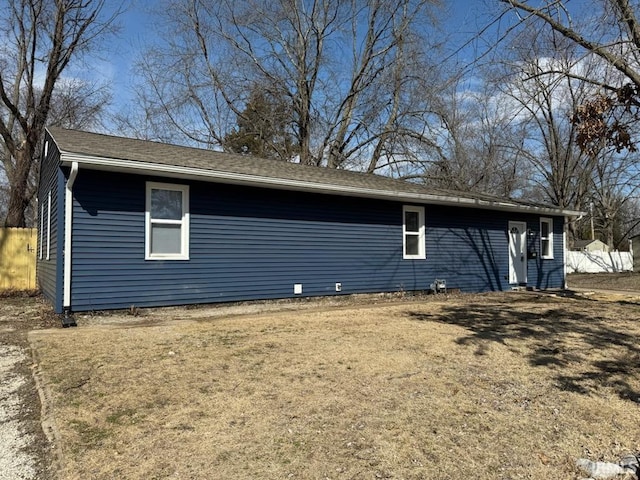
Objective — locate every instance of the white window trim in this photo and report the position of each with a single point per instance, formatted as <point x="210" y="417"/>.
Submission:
<point x="49" y="225"/>
<point x="184" y="222"/>
<point x="422" y="254"/>
<point x="549" y="222"/>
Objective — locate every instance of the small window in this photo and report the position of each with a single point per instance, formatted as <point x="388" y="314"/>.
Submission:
<point x="413" y="232"/>
<point x="546" y="237"/>
<point x="167" y="222"/>
<point x="40" y="246"/>
<point x="49" y="226"/>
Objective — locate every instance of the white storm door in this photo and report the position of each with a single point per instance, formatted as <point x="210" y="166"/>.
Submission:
<point x="517" y="252"/>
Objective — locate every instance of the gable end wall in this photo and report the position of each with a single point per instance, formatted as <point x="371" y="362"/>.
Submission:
<point x="49" y="271"/>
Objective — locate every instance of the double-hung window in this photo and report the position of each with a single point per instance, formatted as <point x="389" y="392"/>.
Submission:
<point x="413" y="232"/>
<point x="167" y="222"/>
<point x="546" y="237"/>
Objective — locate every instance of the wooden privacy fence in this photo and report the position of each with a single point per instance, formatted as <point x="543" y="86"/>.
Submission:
<point x="18" y="258"/>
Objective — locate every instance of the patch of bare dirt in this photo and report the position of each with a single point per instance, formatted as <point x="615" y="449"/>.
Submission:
<point x="136" y="316"/>
<point x="500" y="386"/>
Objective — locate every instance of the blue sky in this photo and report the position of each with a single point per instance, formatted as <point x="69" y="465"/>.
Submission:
<point x="463" y="20"/>
<point x="117" y="61"/>
<point x="136" y="30"/>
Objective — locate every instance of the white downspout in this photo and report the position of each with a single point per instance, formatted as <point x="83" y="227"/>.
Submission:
<point x="564" y="254"/>
<point x="68" y="224"/>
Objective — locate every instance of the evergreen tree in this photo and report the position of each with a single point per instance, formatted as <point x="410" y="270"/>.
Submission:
<point x="262" y="128"/>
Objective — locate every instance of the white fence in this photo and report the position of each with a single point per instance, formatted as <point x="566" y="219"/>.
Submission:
<point x="598" y="262"/>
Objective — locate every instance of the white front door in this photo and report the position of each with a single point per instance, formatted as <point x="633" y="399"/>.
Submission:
<point x="517" y="252"/>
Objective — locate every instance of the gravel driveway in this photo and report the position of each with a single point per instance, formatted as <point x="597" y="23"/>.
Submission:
<point x="16" y="460"/>
<point x="25" y="453"/>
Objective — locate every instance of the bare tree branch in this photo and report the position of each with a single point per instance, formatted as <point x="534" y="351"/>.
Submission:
<point x="41" y="35"/>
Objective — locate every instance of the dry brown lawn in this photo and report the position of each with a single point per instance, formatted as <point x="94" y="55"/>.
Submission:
<point x="497" y="386"/>
<point x="607" y="281"/>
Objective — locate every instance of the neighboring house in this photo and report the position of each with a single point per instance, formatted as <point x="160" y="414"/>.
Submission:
<point x="590" y="246"/>
<point x="128" y="222"/>
<point x="635" y="250"/>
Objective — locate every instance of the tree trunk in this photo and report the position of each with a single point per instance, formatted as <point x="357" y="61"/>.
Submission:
<point x="19" y="195"/>
<point x="304" y="134"/>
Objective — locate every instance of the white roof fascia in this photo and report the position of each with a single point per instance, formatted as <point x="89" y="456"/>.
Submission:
<point x="174" y="171"/>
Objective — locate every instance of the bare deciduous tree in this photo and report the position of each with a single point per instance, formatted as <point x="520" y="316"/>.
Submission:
<point x="610" y="31"/>
<point x="480" y="144"/>
<point x="604" y="106"/>
<point x="41" y="37"/>
<point x="349" y="72"/>
<point x="79" y="105"/>
<point x="74" y="104"/>
<point x="614" y="189"/>
<point x="539" y="79"/>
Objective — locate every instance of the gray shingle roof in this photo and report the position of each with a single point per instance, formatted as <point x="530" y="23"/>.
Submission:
<point x="583" y="243"/>
<point x="126" y="154"/>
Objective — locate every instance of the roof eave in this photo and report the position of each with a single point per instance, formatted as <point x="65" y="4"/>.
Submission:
<point x="173" y="171"/>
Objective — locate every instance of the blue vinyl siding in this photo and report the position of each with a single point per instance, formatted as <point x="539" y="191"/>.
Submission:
<point x="546" y="273"/>
<point x="49" y="272"/>
<point x="468" y="248"/>
<point x="251" y="243"/>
